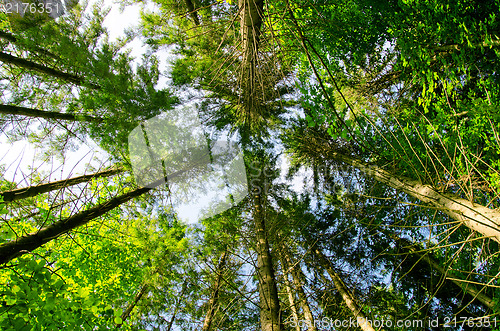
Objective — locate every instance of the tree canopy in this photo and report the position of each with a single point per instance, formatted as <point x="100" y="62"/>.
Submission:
<point x="349" y="153"/>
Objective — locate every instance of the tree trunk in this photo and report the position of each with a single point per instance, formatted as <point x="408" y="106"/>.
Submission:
<point x="433" y="264"/>
<point x="48" y="115"/>
<point x="270" y="318"/>
<point x="213" y="302"/>
<point x="23" y="193"/>
<point x="26" y="64"/>
<point x="28" y="243"/>
<point x="132" y="305"/>
<point x="345" y="293"/>
<point x="291" y="299"/>
<point x="251" y="13"/>
<point x="176" y="309"/>
<point x="298" y="278"/>
<point x="192" y="11"/>
<point x="476" y="217"/>
<point x="15" y="40"/>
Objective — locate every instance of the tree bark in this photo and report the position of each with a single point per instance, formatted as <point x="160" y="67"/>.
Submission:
<point x="344" y="292"/>
<point x="270" y="313"/>
<point x="298" y="277"/>
<point x="476" y="217"/>
<point x="27" y="64"/>
<point x="23" y="193"/>
<point x="48" y="115"/>
<point x="132" y="305"/>
<point x="192" y="11"/>
<point x="291" y="299"/>
<point x="251" y="13"/>
<point x="28" y="243"/>
<point x="213" y="302"/>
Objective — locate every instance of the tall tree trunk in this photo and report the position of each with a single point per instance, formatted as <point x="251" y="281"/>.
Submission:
<point x="298" y="277"/>
<point x="30" y="65"/>
<point x="176" y="309"/>
<point x="28" y="243"/>
<point x="476" y="217"/>
<point x="192" y="11"/>
<point x="48" y="115"/>
<point x="291" y="299"/>
<point x="213" y="302"/>
<point x="131" y="306"/>
<point x="23" y="193"/>
<point x="344" y="292"/>
<point x="270" y="313"/>
<point x="15" y="40"/>
<point x="251" y="14"/>
<point x="468" y="288"/>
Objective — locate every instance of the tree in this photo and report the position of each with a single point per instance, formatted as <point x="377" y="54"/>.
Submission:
<point x="22" y="193"/>
<point x="387" y="112"/>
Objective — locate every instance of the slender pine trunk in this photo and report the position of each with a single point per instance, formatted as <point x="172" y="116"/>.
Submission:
<point x="214" y="299"/>
<point x="48" y="115"/>
<point x="23" y="193"/>
<point x="33" y="66"/>
<point x="270" y="313"/>
<point x="291" y="299"/>
<point x="348" y="298"/>
<point x="298" y="277"/>
<point x="251" y="14"/>
<point x="476" y="217"/>
<point x="131" y="306"/>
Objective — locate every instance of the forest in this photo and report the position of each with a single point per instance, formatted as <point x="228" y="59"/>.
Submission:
<point x="356" y="142"/>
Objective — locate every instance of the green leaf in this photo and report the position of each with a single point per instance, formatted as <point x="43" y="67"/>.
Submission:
<point x="15" y="289"/>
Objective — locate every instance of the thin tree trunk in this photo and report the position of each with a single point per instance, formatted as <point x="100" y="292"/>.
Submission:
<point x="476" y="217"/>
<point x="23" y="193"/>
<point x="298" y="276"/>
<point x="270" y="313"/>
<point x="433" y="264"/>
<point x="251" y="13"/>
<point x="213" y="302"/>
<point x="30" y="65"/>
<point x="192" y="11"/>
<point x="28" y="243"/>
<point x="345" y="293"/>
<point x="291" y="299"/>
<point x="176" y="309"/>
<point x="132" y="305"/>
<point x="48" y="115"/>
<point x="15" y="40"/>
